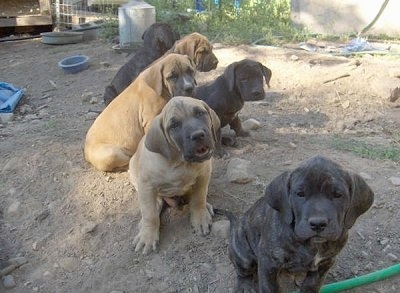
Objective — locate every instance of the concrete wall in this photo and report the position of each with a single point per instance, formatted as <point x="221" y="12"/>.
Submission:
<point x="346" y="16"/>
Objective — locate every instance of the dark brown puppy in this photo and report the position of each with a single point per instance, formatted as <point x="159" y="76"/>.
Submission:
<point x="298" y="227"/>
<point x="241" y="81"/>
<point x="157" y="40"/>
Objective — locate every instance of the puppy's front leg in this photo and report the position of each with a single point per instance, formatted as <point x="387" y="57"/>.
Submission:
<point x="201" y="212"/>
<point x="236" y="125"/>
<point x="267" y="277"/>
<point x="149" y="227"/>
<point x="314" y="280"/>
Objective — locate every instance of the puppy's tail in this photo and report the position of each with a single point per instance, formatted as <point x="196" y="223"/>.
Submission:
<point x="231" y="216"/>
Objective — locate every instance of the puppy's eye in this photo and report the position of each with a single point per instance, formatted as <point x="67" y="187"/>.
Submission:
<point x="199" y="113"/>
<point x="300" y="193"/>
<point x="172" y="76"/>
<point x="174" y="125"/>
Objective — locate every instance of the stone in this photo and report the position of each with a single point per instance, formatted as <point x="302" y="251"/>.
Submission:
<point x="221" y="228"/>
<point x="238" y="171"/>
<point x="9" y="282"/>
<point x="251" y="124"/>
<point x="395" y="180"/>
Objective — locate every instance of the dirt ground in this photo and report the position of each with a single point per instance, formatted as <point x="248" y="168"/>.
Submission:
<point x="75" y="225"/>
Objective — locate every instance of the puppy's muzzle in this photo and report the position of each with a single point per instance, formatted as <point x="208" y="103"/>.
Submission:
<point x="201" y="149"/>
<point x="257" y="95"/>
<point x="318" y="224"/>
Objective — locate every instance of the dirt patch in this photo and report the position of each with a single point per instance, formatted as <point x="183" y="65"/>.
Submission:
<point x="75" y="225"/>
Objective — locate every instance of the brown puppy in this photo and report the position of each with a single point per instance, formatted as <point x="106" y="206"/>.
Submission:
<point x="115" y="134"/>
<point x="174" y="159"/>
<point x="298" y="227"/>
<point x="199" y="49"/>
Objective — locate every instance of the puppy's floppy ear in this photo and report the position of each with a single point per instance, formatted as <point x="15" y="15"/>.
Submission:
<point x="362" y="198"/>
<point x="215" y="123"/>
<point x="229" y="75"/>
<point x="277" y="196"/>
<point x="154" y="77"/>
<point x="267" y="74"/>
<point x="156" y="140"/>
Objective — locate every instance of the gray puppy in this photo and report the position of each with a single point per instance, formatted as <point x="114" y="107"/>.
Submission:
<point x="157" y="40"/>
<point x="241" y="81"/>
<point x="298" y="227"/>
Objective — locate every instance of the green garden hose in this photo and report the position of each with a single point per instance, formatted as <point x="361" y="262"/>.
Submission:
<point x="361" y="280"/>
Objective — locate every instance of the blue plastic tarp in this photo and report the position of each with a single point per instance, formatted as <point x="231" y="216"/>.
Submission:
<point x="9" y="97"/>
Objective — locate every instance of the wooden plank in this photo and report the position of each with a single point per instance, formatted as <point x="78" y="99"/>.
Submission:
<point x="28" y="20"/>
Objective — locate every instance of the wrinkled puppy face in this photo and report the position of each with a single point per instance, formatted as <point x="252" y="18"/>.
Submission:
<point x="249" y="79"/>
<point x="205" y="59"/>
<point x="190" y="128"/>
<point x="179" y="75"/>
<point x="319" y="195"/>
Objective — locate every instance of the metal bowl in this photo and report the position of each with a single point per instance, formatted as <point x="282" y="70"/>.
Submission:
<point x="61" y="38"/>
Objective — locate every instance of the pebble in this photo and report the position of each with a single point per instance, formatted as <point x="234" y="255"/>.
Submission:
<point x="384" y="241"/>
<point x="221" y="228"/>
<point x="238" y="171"/>
<point x="251" y="124"/>
<point x="14" y="207"/>
<point x="294" y="58"/>
<point x="6" y="117"/>
<point x="392" y="257"/>
<point x="395" y="180"/>
<point x="91" y="115"/>
<point x="9" y="282"/>
<point x="366" y="176"/>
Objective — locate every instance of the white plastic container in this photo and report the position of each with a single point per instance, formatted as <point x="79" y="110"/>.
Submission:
<point x="134" y="18"/>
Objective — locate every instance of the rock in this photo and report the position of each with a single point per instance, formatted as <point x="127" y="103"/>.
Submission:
<point x="6" y="117"/>
<point x="91" y="115"/>
<point x="292" y="145"/>
<point x="386" y="88"/>
<point x="105" y="64"/>
<point x="251" y="124"/>
<point x="395" y="180"/>
<point x="69" y="264"/>
<point x="14" y="207"/>
<point x="394" y="94"/>
<point x="392" y="257"/>
<point x="365" y="176"/>
<point x="89" y="227"/>
<point x="238" y="171"/>
<point x="94" y="100"/>
<point x="294" y="58"/>
<point x="221" y="228"/>
<point x="346" y="104"/>
<point x="9" y="282"/>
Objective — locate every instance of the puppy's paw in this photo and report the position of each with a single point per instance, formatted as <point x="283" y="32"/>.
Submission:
<point x="202" y="220"/>
<point x="243" y="133"/>
<point x="146" y="240"/>
<point x="229" y="141"/>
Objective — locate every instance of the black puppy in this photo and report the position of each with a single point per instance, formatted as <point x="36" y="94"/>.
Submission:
<point x="241" y="81"/>
<point x="157" y="40"/>
<point x="298" y="227"/>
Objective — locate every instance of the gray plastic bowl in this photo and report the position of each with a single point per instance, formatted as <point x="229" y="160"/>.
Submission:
<point x="74" y="64"/>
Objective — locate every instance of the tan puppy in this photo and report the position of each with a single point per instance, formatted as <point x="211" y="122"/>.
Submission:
<point x="174" y="159"/>
<point x="115" y="134"/>
<point x="199" y="49"/>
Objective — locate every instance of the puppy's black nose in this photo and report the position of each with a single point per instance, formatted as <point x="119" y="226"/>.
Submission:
<point x="318" y="224"/>
<point x="189" y="89"/>
<point x="258" y="95"/>
<point x="197" y="135"/>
